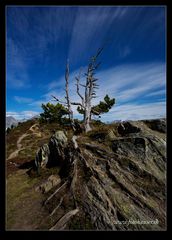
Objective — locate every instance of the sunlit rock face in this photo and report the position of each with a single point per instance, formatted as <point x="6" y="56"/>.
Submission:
<point x="119" y="181"/>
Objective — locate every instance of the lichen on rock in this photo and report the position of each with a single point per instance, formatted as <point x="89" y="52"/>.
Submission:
<point x="120" y="178"/>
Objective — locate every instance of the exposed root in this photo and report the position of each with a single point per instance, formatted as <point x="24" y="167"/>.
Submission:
<point x="61" y="224"/>
<point x="55" y="209"/>
<point x="74" y="141"/>
<point x="52" y="195"/>
<point x="74" y="180"/>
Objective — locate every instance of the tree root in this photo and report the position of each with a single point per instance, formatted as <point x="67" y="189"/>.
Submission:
<point x="61" y="224"/>
<point x="74" y="180"/>
<point x="74" y="141"/>
<point x="55" y="209"/>
<point x="52" y="195"/>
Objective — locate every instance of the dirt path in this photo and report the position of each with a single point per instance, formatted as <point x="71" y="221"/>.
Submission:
<point x="19" y="147"/>
<point x="33" y="129"/>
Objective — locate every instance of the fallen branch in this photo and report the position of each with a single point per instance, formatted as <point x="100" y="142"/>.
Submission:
<point x="74" y="141"/>
<point x="62" y="222"/>
<point x="74" y="180"/>
<point x="55" y="209"/>
<point x="52" y="195"/>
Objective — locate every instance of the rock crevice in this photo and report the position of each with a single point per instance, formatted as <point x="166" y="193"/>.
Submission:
<point x="123" y="182"/>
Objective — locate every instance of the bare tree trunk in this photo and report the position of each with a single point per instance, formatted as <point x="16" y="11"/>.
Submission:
<point x="86" y="103"/>
<point x="90" y="93"/>
<point x="87" y="119"/>
<point x="67" y="103"/>
<point x="67" y="97"/>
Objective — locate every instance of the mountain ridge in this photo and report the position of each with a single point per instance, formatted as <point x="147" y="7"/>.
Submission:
<point x="114" y="174"/>
<point x="11" y="121"/>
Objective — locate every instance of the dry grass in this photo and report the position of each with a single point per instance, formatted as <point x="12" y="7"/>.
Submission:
<point x="23" y="203"/>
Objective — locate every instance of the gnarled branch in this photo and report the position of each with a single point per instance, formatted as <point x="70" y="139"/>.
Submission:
<point x="58" y="100"/>
<point x="79" y="104"/>
<point x="52" y="195"/>
<point x="77" y="89"/>
<point x="61" y="224"/>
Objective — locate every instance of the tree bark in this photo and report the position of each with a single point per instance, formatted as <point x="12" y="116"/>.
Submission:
<point x="67" y="97"/>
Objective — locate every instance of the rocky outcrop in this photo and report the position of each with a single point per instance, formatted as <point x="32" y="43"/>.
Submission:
<point x="119" y="184"/>
<point x="127" y="128"/>
<point x="57" y="147"/>
<point x="157" y="125"/>
<point x="11" y="121"/>
<point x="52" y="153"/>
<point x="52" y="181"/>
<point x="42" y="156"/>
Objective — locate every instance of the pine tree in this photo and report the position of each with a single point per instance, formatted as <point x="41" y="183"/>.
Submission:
<point x="53" y="113"/>
<point x="103" y="107"/>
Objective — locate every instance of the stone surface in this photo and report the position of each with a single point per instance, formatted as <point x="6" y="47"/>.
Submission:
<point x="57" y="147"/>
<point x="127" y="128"/>
<point x="157" y="124"/>
<point x="42" y="156"/>
<point x="52" y="153"/>
<point x="119" y="180"/>
<point x="51" y="182"/>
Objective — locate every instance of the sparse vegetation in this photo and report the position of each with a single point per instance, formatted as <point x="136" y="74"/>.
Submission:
<point x="53" y="113"/>
<point x="103" y="172"/>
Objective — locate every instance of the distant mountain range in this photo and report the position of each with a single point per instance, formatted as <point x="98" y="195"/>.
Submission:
<point x="11" y="121"/>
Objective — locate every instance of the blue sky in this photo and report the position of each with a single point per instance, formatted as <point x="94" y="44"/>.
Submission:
<point x="39" y="40"/>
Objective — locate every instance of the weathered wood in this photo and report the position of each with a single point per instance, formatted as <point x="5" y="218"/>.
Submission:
<point x="55" y="209"/>
<point x="74" y="181"/>
<point x="74" y="141"/>
<point x="56" y="99"/>
<point x="67" y="97"/>
<point x="52" y="195"/>
<point x="74" y="103"/>
<point x="61" y="224"/>
<point x="77" y="90"/>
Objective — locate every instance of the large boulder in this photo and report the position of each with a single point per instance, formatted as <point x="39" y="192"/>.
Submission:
<point x="58" y="148"/>
<point x="127" y="128"/>
<point x="157" y="125"/>
<point x="53" y="153"/>
<point x="42" y="156"/>
<point x="134" y="147"/>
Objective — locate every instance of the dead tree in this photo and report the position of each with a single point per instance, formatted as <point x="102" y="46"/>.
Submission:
<point x="67" y="103"/>
<point x="67" y="97"/>
<point x="90" y="90"/>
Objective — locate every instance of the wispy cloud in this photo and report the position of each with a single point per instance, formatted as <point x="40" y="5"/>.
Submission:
<point x="136" y="112"/>
<point x="91" y="22"/>
<point x="124" y="52"/>
<point x="22" y="115"/>
<point x="129" y="82"/>
<point x="57" y="89"/>
<point x="157" y="93"/>
<point x="39" y="40"/>
<point x="131" y="85"/>
<point x="22" y="99"/>
<point x="54" y="84"/>
<point x="17" y="70"/>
